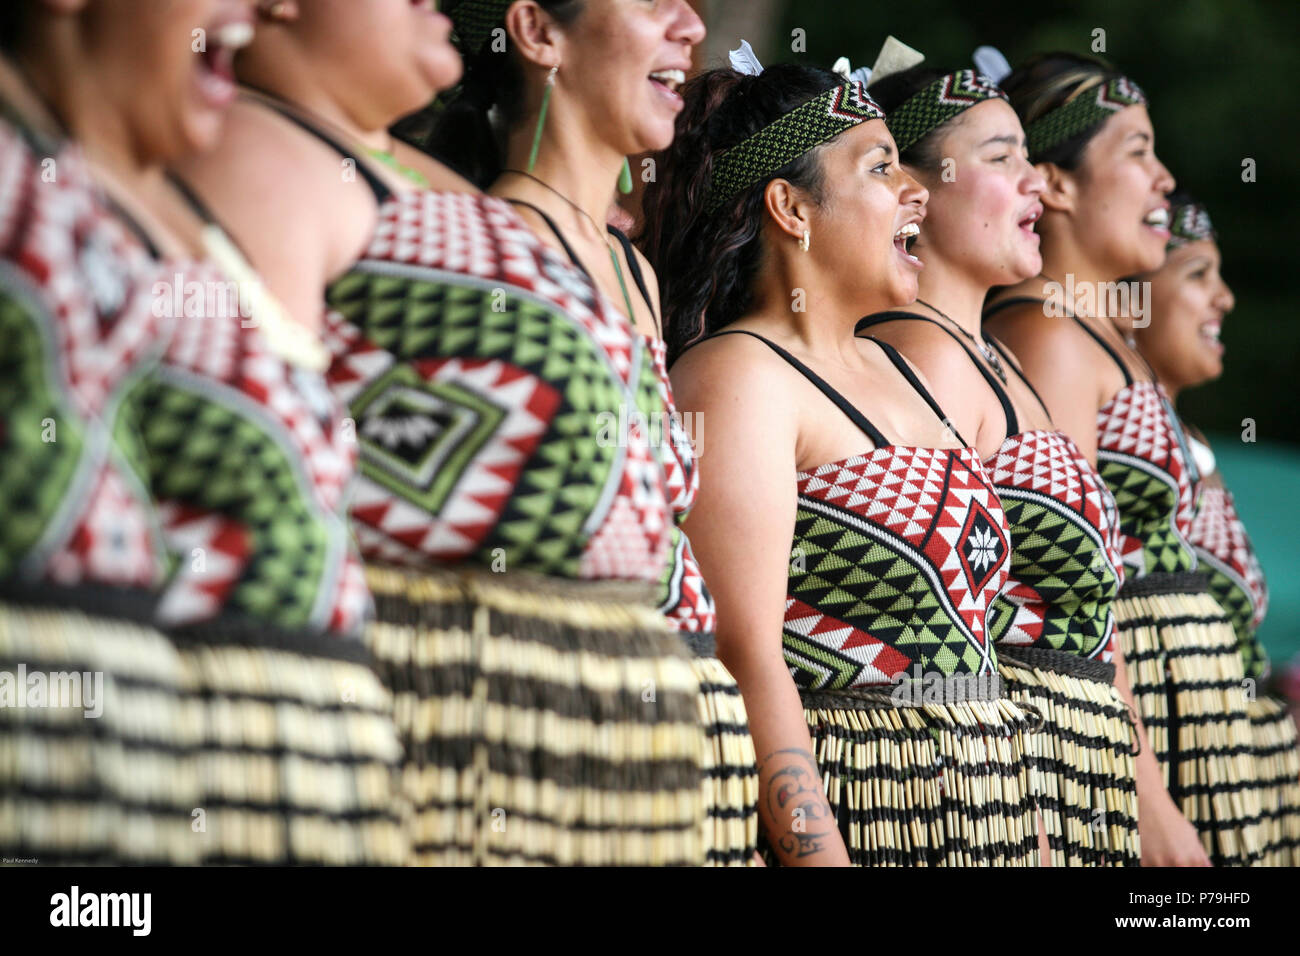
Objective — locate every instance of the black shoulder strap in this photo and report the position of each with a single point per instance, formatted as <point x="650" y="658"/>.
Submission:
<point x="842" y="403"/>
<point x="1008" y="410"/>
<point x="1007" y="303"/>
<point x="1109" y="349"/>
<point x="377" y="185"/>
<point x="901" y="364"/>
<point x="1015" y="367"/>
<point x="635" y="267"/>
<point x="1106" y="346"/>
<point x="550" y="224"/>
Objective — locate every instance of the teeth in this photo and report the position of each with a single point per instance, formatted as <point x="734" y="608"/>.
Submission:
<point x="669" y="78"/>
<point x="1157" y="217"/>
<point x="235" y="36"/>
<point x="910" y="231"/>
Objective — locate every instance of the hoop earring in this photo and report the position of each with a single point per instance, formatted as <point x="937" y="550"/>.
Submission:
<point x="541" y="116"/>
<point x="806" y="242"/>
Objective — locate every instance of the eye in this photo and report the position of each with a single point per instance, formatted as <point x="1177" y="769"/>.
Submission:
<point x="1200" y="274"/>
<point x="1000" y="159"/>
<point x="882" y="168"/>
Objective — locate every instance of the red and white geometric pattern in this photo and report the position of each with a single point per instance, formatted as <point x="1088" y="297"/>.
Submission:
<point x="1218" y="531"/>
<point x="1136" y="423"/>
<point x="93" y="283"/>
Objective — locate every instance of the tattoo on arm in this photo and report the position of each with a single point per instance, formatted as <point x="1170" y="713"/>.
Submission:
<point x="799" y="817"/>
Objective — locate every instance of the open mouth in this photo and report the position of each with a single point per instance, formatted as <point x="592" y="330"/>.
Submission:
<point x="1210" y="332"/>
<point x="670" y="80"/>
<point x="905" y="239"/>
<point x="217" y="63"/>
<point x="1157" y="218"/>
<point x="1027" y="222"/>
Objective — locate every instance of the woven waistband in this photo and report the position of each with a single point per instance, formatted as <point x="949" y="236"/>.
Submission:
<point x="911" y="693"/>
<point x="1058" y="662"/>
<point x="136" y="605"/>
<point x="1164" y="582"/>
<point x="455" y="579"/>
<point x="700" y="645"/>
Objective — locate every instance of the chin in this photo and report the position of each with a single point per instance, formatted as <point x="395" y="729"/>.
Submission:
<point x="444" y="71"/>
<point x="1151" y="256"/>
<point x="201" y="133"/>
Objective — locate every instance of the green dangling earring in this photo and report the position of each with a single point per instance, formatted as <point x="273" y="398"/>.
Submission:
<point x="625" y="178"/>
<point x="541" y="117"/>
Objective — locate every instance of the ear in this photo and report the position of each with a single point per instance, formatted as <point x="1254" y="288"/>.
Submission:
<point x="535" y="34"/>
<point x="789" y="208"/>
<point x="1062" y="192"/>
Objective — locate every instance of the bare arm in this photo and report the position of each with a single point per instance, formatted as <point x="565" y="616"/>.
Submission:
<point x="741" y="529"/>
<point x="299" y="213"/>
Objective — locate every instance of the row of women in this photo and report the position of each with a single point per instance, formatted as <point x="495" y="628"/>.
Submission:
<point x="348" y="459"/>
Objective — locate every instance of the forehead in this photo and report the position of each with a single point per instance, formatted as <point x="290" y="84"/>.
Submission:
<point x="1126" y="123"/>
<point x="863" y="137"/>
<point x="982" y="121"/>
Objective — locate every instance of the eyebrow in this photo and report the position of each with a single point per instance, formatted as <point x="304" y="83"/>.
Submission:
<point x="1142" y="134"/>
<point x="1007" y="138"/>
<point x="889" y="150"/>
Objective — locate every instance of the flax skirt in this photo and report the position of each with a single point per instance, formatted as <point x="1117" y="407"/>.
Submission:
<point x="941" y="784"/>
<point x="1277" y="768"/>
<point x="218" y="745"/>
<point x="544" y="722"/>
<point x="1189" y="685"/>
<point x="730" y="835"/>
<point x="1084" y="764"/>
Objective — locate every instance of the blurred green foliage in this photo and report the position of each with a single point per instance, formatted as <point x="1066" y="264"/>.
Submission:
<point x="1222" y="78"/>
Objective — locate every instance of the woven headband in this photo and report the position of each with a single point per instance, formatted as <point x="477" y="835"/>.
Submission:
<point x="1082" y="113"/>
<point x="1189" y="222"/>
<point x="474" y="20"/>
<point x="939" y="102"/>
<point x="782" y="142"/>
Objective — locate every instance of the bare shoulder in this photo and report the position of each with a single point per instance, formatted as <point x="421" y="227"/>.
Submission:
<point x="733" y="371"/>
<point x="272" y="182"/>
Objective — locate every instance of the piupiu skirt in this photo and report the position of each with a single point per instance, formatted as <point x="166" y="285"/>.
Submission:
<point x="926" y="784"/>
<point x="1277" y="767"/>
<point x="1189" y="685"/>
<point x="1084" y="767"/>
<point x="544" y="722"/>
<point x="225" y="744"/>
<point x="730" y="835"/>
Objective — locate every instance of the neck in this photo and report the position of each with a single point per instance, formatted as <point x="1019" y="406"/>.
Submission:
<point x="77" y="102"/>
<point x="953" y="292"/>
<point x="1067" y="262"/>
<point x="292" y="81"/>
<point x="825" y="324"/>
<point x="571" y="160"/>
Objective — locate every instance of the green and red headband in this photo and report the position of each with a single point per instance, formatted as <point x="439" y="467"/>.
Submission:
<point x="945" y="98"/>
<point x="1090" y="108"/>
<point x="1189" y="222"/>
<point x="784" y="140"/>
<point x="474" y="20"/>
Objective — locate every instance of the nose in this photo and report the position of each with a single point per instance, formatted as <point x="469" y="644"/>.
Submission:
<point x="1224" y="300"/>
<point x="913" y="193"/>
<point x="687" y="27"/>
<point x="1165" y="181"/>
<point x="1034" y="182"/>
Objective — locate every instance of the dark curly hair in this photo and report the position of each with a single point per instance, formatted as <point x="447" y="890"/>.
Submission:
<point x="707" y="264"/>
<point x="1048" y="80"/>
